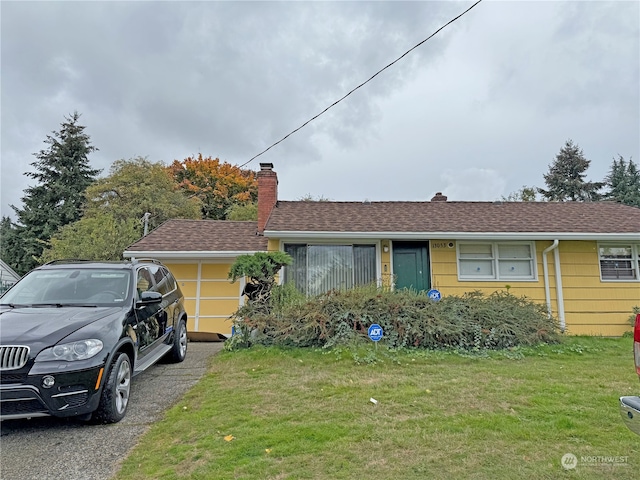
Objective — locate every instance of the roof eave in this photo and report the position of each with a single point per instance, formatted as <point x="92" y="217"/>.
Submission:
<point x="187" y="254"/>
<point x="324" y="235"/>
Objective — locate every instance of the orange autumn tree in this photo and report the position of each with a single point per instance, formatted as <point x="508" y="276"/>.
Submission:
<point x="219" y="185"/>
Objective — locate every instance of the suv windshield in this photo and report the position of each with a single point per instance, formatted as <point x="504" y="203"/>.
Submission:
<point x="70" y="286"/>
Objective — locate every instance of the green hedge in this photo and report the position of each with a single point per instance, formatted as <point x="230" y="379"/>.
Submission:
<point x="409" y="319"/>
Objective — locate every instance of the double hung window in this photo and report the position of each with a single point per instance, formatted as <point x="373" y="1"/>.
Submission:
<point x="619" y="261"/>
<point x="496" y="261"/>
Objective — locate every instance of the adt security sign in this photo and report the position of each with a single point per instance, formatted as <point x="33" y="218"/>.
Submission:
<point x="434" y="295"/>
<point x="375" y="332"/>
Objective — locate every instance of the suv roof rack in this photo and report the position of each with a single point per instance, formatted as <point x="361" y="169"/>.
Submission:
<point x="147" y="260"/>
<point x="68" y="260"/>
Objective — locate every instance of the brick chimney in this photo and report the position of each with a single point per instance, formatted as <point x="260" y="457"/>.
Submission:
<point x="439" y="197"/>
<point x="267" y="194"/>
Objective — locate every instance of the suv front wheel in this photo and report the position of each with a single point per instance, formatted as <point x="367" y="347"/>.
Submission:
<point x="115" y="393"/>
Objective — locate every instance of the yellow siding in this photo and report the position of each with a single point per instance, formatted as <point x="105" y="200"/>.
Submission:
<point x="190" y="306"/>
<point x="603" y="330"/>
<point x="217" y="307"/>
<point x="215" y="270"/>
<point x="189" y="289"/>
<point x="210" y="298"/>
<point x="218" y="288"/>
<point x="273" y="245"/>
<point x="591" y="306"/>
<point x="183" y="270"/>
<point x="191" y="324"/>
<point x="444" y="269"/>
<point x="216" y="325"/>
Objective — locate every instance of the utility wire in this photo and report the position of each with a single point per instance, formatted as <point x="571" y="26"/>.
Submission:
<point x="361" y="85"/>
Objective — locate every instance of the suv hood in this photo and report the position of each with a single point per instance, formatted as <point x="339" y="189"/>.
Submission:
<point x="41" y="327"/>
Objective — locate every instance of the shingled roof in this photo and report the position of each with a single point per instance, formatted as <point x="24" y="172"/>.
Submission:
<point x="592" y="218"/>
<point x="201" y="236"/>
<point x="430" y="219"/>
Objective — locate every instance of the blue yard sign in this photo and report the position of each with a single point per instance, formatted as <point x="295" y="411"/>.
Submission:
<point x="375" y="332"/>
<point x="434" y="295"/>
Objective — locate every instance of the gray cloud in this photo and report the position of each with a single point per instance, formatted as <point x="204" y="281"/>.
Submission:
<point x="504" y="86"/>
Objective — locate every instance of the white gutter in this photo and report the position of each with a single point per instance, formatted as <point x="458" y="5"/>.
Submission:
<point x="186" y="255"/>
<point x="287" y="234"/>
<point x="558" y="275"/>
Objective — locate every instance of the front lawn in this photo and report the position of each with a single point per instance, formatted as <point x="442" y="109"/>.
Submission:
<point x="269" y="413"/>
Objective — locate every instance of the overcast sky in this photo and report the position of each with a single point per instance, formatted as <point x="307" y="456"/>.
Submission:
<point x="476" y="112"/>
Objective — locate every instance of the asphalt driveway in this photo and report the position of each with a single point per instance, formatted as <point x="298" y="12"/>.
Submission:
<point x="49" y="448"/>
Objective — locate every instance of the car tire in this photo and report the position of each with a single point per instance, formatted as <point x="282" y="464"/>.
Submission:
<point x="179" y="349"/>
<point x="115" y="393"/>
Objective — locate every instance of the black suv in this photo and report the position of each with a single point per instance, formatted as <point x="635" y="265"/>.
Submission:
<point x="73" y="333"/>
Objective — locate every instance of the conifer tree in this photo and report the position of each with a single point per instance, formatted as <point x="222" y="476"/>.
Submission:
<point x="566" y="177"/>
<point x="62" y="174"/>
<point x="623" y="181"/>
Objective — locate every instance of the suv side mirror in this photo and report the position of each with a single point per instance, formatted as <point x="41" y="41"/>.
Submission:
<point x="149" y="298"/>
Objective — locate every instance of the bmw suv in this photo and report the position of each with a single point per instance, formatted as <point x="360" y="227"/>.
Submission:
<point x="74" y="333"/>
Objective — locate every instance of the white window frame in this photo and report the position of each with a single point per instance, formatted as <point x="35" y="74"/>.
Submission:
<point x="495" y="261"/>
<point x="635" y="260"/>
<point x="347" y="242"/>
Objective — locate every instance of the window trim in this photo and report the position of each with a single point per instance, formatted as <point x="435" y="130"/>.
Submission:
<point x="635" y="260"/>
<point x="495" y="262"/>
<point x="321" y="243"/>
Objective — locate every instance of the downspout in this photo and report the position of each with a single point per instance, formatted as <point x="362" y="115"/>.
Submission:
<point x="547" y="293"/>
<point x="559" y="294"/>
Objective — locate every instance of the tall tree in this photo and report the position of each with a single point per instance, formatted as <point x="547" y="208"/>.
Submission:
<point x="116" y="209"/>
<point x="623" y="181"/>
<point x="525" y="194"/>
<point x="566" y="177"/>
<point x="10" y="247"/>
<point x="219" y="185"/>
<point x="99" y="237"/>
<point x="247" y="211"/>
<point x="62" y="173"/>
<point x="138" y="186"/>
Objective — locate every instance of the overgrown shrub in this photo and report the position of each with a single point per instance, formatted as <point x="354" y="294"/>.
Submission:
<point x="472" y="322"/>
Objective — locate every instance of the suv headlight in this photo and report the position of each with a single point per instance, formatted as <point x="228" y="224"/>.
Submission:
<point x="80" y="350"/>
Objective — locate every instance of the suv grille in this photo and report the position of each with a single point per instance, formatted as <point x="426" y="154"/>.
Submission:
<point x="13" y="357"/>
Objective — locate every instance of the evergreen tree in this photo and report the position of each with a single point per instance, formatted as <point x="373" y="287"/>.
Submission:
<point x="624" y="182"/>
<point x="566" y="177"/>
<point x="62" y="174"/>
<point x="9" y="242"/>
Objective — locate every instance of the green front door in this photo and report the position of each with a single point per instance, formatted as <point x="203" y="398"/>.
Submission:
<point x="411" y="265"/>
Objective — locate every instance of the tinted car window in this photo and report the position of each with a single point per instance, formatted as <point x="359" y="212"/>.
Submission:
<point x="144" y="281"/>
<point x="164" y="281"/>
<point x="70" y="286"/>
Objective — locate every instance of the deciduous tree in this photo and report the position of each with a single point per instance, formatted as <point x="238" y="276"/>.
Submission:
<point x="525" y="194"/>
<point x="248" y="211"/>
<point x="566" y="177"/>
<point x="99" y="237"/>
<point x="116" y="207"/>
<point x="138" y="186"/>
<point x="218" y="185"/>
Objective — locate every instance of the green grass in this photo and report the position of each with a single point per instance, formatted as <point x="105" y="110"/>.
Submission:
<point x="306" y="414"/>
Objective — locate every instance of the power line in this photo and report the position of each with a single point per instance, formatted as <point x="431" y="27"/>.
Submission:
<point x="361" y="85"/>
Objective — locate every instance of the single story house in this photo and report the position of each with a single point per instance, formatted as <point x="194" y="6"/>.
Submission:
<point x="580" y="259"/>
